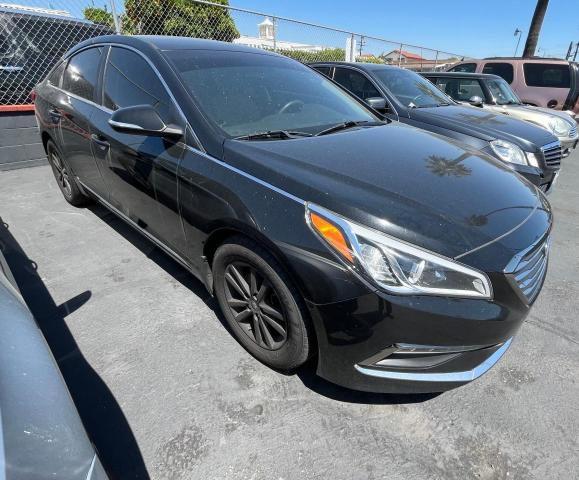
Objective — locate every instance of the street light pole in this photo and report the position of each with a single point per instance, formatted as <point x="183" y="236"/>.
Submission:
<point x="517" y="33"/>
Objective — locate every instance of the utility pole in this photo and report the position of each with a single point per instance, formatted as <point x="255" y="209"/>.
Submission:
<point x="576" y="50"/>
<point x="535" y="28"/>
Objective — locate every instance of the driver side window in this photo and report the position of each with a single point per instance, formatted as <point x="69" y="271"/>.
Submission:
<point x="356" y="83"/>
<point x="129" y="80"/>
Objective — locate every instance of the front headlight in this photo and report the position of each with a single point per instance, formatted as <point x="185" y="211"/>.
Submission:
<point x="559" y="127"/>
<point x="392" y="265"/>
<point x="508" y="152"/>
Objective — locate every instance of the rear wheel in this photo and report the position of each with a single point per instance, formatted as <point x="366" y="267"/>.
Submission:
<point x="262" y="307"/>
<point x="64" y="178"/>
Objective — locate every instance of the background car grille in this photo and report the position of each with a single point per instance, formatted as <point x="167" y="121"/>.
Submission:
<point x="573" y="131"/>
<point x="530" y="272"/>
<point x="553" y="153"/>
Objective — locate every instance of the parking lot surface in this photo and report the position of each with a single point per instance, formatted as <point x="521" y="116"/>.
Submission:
<point x="166" y="392"/>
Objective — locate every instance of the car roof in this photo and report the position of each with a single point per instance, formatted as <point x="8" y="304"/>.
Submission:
<point x="461" y="75"/>
<point x="161" y="42"/>
<point x="362" y="66"/>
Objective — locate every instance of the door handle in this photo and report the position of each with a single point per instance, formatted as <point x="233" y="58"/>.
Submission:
<point x="100" y="141"/>
<point x="53" y="112"/>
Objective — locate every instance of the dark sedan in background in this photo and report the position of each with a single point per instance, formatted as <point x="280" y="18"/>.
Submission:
<point x="405" y="261"/>
<point x="494" y="94"/>
<point x="405" y="96"/>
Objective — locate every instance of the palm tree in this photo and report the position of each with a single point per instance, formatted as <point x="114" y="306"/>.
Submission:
<point x="535" y="28"/>
<point x="445" y="167"/>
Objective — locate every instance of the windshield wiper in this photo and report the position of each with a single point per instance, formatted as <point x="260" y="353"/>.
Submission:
<point x="345" y="126"/>
<point x="274" y="134"/>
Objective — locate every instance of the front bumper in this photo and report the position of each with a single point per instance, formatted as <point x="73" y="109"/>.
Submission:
<point x="359" y="339"/>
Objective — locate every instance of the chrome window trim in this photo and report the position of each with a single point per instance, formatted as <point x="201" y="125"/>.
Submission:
<point x="465" y="376"/>
<point x="159" y="76"/>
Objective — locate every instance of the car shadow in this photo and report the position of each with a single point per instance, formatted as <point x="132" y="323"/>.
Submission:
<point x="103" y="418"/>
<point x="307" y="373"/>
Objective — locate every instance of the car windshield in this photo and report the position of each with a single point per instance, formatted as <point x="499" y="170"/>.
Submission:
<point x="249" y="94"/>
<point x="411" y="89"/>
<point x="502" y="92"/>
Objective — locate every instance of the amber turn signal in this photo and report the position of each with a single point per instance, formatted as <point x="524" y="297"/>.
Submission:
<point x="332" y="234"/>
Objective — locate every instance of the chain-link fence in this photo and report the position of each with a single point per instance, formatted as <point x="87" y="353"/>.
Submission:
<point x="33" y="37"/>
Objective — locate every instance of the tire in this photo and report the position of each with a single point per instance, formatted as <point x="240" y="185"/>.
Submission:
<point x="64" y="177"/>
<point x="277" y="305"/>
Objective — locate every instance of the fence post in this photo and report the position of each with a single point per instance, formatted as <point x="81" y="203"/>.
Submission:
<point x="116" y="18"/>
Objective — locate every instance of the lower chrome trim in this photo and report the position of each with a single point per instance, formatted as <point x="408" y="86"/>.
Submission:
<point x="465" y="376"/>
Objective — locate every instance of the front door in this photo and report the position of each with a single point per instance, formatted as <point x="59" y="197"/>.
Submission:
<point x="136" y="166"/>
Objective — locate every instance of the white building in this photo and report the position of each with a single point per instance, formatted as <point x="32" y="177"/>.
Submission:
<point x="267" y="40"/>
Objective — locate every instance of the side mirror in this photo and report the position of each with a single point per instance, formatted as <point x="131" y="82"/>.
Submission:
<point x="142" y="120"/>
<point x="476" y="101"/>
<point x="377" y="103"/>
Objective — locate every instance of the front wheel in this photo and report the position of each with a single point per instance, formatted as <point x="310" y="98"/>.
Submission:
<point x="261" y="306"/>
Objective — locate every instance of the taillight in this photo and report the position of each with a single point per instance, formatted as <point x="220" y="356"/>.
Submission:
<point x="33" y="96"/>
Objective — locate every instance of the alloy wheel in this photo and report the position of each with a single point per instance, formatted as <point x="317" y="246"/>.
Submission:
<point x="255" y="305"/>
<point x="61" y="174"/>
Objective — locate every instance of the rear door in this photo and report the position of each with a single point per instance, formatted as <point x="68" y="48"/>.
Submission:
<point x="75" y="110"/>
<point x="140" y="170"/>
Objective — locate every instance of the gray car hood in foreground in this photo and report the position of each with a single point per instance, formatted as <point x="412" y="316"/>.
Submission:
<point x="41" y="434"/>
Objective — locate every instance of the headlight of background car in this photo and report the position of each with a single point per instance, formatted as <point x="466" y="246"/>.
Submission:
<point x="395" y="266"/>
<point x="559" y="127"/>
<point x="508" y="152"/>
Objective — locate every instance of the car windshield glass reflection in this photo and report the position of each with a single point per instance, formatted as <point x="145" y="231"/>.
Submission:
<point x="411" y="89"/>
<point x="502" y="93"/>
<point x="247" y="94"/>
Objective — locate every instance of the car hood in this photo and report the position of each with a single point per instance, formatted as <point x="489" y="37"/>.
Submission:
<point x="409" y="183"/>
<point x="484" y="124"/>
<point x="542" y="111"/>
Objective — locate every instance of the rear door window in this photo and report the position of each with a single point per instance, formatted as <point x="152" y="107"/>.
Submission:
<point x="81" y="74"/>
<point x="464" y="67"/>
<point x="502" y="69"/>
<point x="327" y="71"/>
<point x="547" y="75"/>
<point x="56" y="75"/>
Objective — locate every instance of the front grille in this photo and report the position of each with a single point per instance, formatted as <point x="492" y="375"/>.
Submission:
<point x="553" y="154"/>
<point x="573" y="131"/>
<point x="529" y="274"/>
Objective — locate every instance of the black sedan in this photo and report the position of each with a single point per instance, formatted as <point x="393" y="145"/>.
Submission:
<point x="404" y="261"/>
<point x="405" y="96"/>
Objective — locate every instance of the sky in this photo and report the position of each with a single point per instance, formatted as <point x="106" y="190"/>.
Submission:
<point x="472" y="28"/>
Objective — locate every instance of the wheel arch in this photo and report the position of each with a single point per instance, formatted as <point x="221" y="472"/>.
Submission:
<point x="222" y="233"/>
